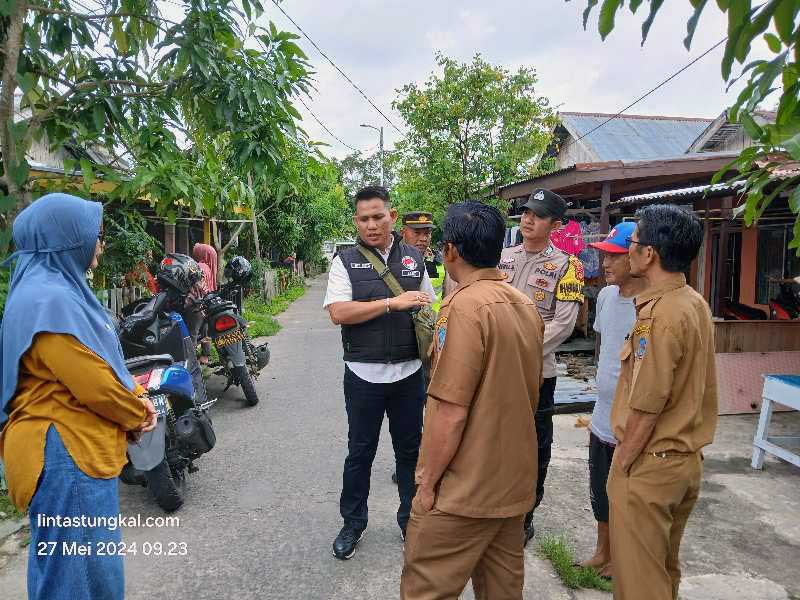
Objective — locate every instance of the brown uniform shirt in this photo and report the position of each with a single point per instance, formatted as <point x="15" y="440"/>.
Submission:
<point x="668" y="369"/>
<point x="554" y="281"/>
<point x="488" y="357"/>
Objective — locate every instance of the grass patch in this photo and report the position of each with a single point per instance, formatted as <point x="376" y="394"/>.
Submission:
<point x="561" y="554"/>
<point x="261" y="313"/>
<point x="7" y="509"/>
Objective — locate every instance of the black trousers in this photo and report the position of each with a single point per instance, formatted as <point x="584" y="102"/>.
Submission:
<point x="544" y="435"/>
<point x="366" y="403"/>
<point x="600" y="456"/>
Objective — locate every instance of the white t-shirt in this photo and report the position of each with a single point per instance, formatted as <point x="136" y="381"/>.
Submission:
<point x="341" y="290"/>
<point x="616" y="316"/>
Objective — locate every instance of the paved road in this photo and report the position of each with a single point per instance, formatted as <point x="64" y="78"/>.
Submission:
<point x="262" y="512"/>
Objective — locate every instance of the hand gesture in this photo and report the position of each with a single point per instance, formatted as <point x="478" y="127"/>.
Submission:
<point x="150" y="419"/>
<point x="409" y="300"/>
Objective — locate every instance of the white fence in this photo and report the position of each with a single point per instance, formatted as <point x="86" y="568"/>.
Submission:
<point x="114" y="299"/>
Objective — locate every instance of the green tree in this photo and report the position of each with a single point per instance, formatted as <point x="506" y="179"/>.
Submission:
<point x="303" y="206"/>
<point x="358" y="170"/>
<point x="126" y="77"/>
<point x="773" y="144"/>
<point x="470" y="130"/>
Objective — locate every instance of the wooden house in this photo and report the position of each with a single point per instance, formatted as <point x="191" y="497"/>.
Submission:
<point x="737" y="265"/>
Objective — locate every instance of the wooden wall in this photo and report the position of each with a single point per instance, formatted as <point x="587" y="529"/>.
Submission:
<point x="572" y="153"/>
<point x="757" y="336"/>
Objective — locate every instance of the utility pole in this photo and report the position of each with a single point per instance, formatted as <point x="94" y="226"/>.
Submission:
<point x="380" y="132"/>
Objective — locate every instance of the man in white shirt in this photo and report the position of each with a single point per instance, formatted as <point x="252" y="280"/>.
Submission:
<point x="383" y="371"/>
<point x="615" y="316"/>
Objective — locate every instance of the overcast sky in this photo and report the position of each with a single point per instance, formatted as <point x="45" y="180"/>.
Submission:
<point x="384" y="45"/>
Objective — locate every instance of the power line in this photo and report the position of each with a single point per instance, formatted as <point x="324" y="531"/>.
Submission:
<point x="311" y="112"/>
<point x="659" y="86"/>
<point x="321" y="124"/>
<point x="335" y="66"/>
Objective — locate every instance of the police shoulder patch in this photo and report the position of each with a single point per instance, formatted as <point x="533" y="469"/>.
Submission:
<point x="641" y="329"/>
<point x="570" y="287"/>
<point x="575" y="262"/>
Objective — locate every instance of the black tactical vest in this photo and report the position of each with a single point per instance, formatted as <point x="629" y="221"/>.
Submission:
<point x="389" y="338"/>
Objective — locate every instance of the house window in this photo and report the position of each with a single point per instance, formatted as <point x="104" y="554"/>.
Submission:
<point x="775" y="261"/>
<point x="730" y="270"/>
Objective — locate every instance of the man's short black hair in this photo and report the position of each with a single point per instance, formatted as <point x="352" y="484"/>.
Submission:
<point x="477" y="231"/>
<point x="675" y="233"/>
<point x="371" y="192"/>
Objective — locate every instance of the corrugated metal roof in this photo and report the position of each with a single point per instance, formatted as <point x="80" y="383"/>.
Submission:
<point x="633" y="163"/>
<point x="634" y="137"/>
<point x="682" y="193"/>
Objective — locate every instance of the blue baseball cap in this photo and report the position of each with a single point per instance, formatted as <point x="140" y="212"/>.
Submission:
<point x="616" y="241"/>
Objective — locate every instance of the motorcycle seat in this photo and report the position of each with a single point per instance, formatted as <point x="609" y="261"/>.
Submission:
<point x="151" y="360"/>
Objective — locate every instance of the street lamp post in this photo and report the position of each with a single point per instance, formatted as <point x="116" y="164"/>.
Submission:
<point x="380" y="131"/>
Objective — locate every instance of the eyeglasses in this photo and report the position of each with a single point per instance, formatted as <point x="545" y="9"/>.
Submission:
<point x="632" y="241"/>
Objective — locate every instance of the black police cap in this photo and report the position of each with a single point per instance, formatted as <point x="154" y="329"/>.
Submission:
<point x="545" y="204"/>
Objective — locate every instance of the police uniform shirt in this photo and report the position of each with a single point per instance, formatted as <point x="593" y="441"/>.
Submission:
<point x="487" y="352"/>
<point x="668" y="369"/>
<point x="554" y="281"/>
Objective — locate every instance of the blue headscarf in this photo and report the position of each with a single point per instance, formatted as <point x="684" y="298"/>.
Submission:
<point x="55" y="239"/>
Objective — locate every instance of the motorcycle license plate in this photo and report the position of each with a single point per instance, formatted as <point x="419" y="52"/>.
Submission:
<point x="160" y="404"/>
<point x="232" y="337"/>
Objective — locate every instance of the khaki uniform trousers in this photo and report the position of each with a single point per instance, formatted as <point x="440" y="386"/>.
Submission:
<point x="649" y="510"/>
<point x="443" y="551"/>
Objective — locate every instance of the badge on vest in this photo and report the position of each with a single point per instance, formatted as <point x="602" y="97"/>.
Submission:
<point x="360" y="265"/>
<point x="409" y="263"/>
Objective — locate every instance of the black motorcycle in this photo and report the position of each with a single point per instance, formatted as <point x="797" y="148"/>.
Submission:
<point x="160" y="353"/>
<point x="239" y="359"/>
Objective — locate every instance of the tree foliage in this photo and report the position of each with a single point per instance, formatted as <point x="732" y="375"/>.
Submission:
<point x="359" y="170"/>
<point x="471" y="129"/>
<point x="774" y="144"/>
<point x="120" y="74"/>
<point x="304" y="206"/>
<point x="128" y="252"/>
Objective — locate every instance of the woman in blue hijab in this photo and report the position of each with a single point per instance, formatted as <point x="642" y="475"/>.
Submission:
<point x="67" y="403"/>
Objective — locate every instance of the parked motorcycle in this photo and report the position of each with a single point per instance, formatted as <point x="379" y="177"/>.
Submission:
<point x="161" y="354"/>
<point x="786" y="306"/>
<point x="736" y="311"/>
<point x="239" y="359"/>
<point x="160" y="458"/>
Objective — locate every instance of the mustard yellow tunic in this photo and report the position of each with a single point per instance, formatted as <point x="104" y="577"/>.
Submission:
<point x="63" y="383"/>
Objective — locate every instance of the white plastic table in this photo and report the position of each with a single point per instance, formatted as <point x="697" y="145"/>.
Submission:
<point x="784" y="390"/>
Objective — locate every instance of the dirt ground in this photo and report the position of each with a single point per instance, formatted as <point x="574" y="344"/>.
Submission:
<point x="743" y="539"/>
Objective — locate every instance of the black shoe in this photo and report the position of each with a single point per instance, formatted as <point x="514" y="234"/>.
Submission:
<point x="527" y="532"/>
<point x="344" y="546"/>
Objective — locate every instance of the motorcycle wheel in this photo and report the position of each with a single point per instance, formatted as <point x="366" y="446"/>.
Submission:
<point x="246" y="382"/>
<point x="168" y="492"/>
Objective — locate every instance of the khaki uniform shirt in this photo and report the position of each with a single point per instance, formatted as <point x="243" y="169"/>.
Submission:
<point x="668" y="369"/>
<point x="488" y="357"/>
<point x="554" y="281"/>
